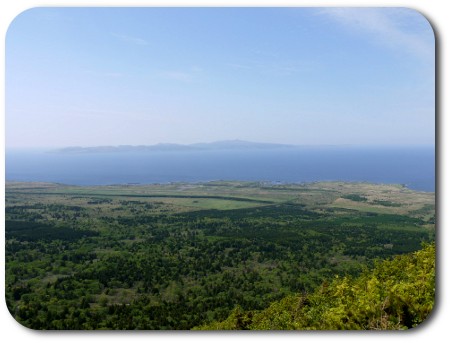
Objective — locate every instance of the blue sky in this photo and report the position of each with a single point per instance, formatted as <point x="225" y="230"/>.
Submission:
<point x="111" y="76"/>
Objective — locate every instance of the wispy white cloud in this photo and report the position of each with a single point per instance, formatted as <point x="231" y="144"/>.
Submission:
<point x="196" y="69"/>
<point x="113" y="74"/>
<point x="102" y="74"/>
<point x="397" y="28"/>
<point x="131" y="39"/>
<point x="177" y="75"/>
<point x="182" y="75"/>
<point x="276" y="67"/>
<point x="239" y="66"/>
<point x="286" y="68"/>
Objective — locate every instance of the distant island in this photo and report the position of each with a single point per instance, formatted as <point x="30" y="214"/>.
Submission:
<point x="219" y="145"/>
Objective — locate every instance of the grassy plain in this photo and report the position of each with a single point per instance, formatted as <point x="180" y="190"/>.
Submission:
<point x="229" y="195"/>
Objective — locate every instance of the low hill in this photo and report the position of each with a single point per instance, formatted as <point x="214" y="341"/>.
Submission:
<point x="396" y="294"/>
<point x="165" y="147"/>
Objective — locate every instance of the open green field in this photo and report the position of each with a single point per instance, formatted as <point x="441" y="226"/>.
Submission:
<point x="394" y="199"/>
<point x="179" y="255"/>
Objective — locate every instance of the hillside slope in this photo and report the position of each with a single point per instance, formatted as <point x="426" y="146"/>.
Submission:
<point x="396" y="294"/>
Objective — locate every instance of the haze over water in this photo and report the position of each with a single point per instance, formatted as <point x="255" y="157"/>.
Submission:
<point x="413" y="167"/>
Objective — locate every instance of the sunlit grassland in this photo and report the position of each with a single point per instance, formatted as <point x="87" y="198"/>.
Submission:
<point x="223" y="195"/>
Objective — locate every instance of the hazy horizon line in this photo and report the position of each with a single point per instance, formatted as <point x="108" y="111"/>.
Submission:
<point x="221" y="141"/>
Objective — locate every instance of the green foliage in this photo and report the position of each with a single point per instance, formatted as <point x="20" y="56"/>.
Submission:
<point x="395" y="294"/>
<point x="354" y="197"/>
<point x="386" y="203"/>
<point x="31" y="231"/>
<point x="76" y="260"/>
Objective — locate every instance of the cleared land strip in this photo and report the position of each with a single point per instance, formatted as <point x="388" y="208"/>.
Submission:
<point x="150" y="196"/>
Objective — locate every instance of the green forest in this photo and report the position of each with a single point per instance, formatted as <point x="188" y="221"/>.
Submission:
<point x="396" y="294"/>
<point x="219" y="255"/>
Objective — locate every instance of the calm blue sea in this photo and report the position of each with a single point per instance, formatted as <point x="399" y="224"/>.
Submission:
<point x="414" y="167"/>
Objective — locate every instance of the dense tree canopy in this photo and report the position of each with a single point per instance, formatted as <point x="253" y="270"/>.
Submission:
<point x="395" y="294"/>
<point x="99" y="260"/>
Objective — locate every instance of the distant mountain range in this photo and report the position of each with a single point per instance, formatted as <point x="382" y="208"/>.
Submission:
<point x="220" y="145"/>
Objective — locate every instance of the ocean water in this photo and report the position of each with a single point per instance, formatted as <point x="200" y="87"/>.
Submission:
<point x="412" y="166"/>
